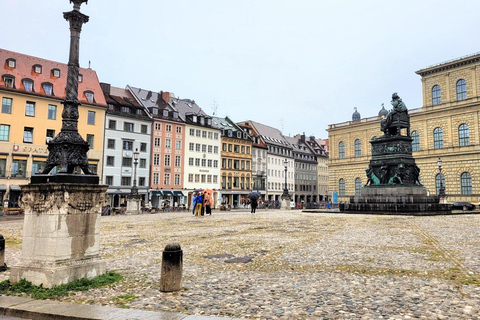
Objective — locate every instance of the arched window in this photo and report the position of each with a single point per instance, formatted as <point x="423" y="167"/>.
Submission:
<point x="438" y="138"/>
<point x="463" y="135"/>
<point x="358" y="186"/>
<point x="461" y="90"/>
<point x="436" y="95"/>
<point x="415" y="141"/>
<point x="358" y="148"/>
<point x="439" y="183"/>
<point x="341" y="187"/>
<point x="341" y="150"/>
<point x="466" y="183"/>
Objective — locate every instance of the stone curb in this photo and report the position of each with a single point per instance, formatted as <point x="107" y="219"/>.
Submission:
<point x="53" y="310"/>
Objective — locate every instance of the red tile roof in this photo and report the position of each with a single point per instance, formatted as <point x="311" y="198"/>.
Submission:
<point x="24" y="70"/>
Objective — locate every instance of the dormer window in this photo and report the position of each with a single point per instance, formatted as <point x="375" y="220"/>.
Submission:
<point x="202" y="121"/>
<point x="155" y="111"/>
<point x="126" y="109"/>
<point x="27" y="84"/>
<point x="230" y="133"/>
<point x="80" y="78"/>
<point x="89" y="96"/>
<point x="139" y="112"/>
<point x="194" y="118"/>
<point x="37" y="68"/>
<point x="48" y="88"/>
<point x="165" y="113"/>
<point x="111" y="107"/>
<point x="175" y="114"/>
<point x="9" y="81"/>
<point x="11" y="63"/>
<point x="209" y="122"/>
<point x="244" y="135"/>
<point x="56" y="73"/>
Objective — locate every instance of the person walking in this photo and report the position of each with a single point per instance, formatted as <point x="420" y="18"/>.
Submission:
<point x="253" y="205"/>
<point x="198" y="205"/>
<point x="208" y="204"/>
<point x="194" y="203"/>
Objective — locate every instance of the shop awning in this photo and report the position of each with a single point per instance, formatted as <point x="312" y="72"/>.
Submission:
<point x="15" y="187"/>
<point x="157" y="193"/>
<point x="168" y="193"/>
<point x="178" y="193"/>
<point x="3" y="187"/>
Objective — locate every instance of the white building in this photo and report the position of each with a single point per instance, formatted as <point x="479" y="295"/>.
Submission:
<point x="127" y="130"/>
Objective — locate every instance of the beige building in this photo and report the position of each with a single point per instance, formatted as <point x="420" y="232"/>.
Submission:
<point x="446" y="126"/>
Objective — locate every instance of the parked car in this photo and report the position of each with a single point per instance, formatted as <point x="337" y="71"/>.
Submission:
<point x="461" y="205"/>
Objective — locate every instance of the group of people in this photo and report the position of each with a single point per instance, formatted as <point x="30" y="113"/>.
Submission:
<point x="202" y="204"/>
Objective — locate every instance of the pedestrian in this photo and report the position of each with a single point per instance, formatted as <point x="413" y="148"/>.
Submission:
<point x="253" y="205"/>
<point x="198" y="206"/>
<point x="208" y="204"/>
<point x="194" y="203"/>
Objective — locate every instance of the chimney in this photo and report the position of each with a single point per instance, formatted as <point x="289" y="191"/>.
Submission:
<point x="303" y="137"/>
<point x="149" y="95"/>
<point x="165" y="96"/>
<point x="105" y="87"/>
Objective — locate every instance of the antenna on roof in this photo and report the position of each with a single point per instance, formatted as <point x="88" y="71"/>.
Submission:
<point x="215" y="107"/>
<point x="89" y="64"/>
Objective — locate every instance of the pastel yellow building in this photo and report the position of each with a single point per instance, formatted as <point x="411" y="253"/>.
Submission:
<point x="446" y="127"/>
<point x="32" y="90"/>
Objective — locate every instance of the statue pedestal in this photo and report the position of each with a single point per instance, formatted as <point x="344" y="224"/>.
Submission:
<point x="133" y="204"/>
<point x="286" y="199"/>
<point x="61" y="233"/>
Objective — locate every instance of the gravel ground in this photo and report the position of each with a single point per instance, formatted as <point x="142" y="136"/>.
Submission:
<point x="291" y="265"/>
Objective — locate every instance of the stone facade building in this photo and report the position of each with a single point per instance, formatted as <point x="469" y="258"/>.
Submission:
<point x="447" y="126"/>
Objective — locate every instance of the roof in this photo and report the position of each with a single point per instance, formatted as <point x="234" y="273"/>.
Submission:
<point x="122" y="97"/>
<point x="270" y="135"/>
<point x="299" y="146"/>
<point x="24" y="70"/>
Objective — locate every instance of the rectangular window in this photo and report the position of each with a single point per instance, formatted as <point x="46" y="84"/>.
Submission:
<point x="52" y="112"/>
<point x="215" y="179"/>
<point x="30" y="109"/>
<point x="204" y="178"/>
<point x="236" y="148"/>
<point x="197" y="178"/>
<point x="126" y="162"/>
<point x="157" y="142"/>
<point x="144" y="128"/>
<point x="197" y="162"/>
<point x="210" y="149"/>
<point x="127" y="145"/>
<point x="167" y="160"/>
<point x="191" y="146"/>
<point x="109" y="180"/>
<point x="91" y="117"/>
<point x="210" y="163"/>
<point x="179" y="129"/>
<point x="126" y="181"/>
<point x="178" y="161"/>
<point x="19" y="168"/>
<point x="224" y="147"/>
<point x="192" y="132"/>
<point x="204" y="162"/>
<point x="156" y="178"/>
<point x="110" y="161"/>
<point x="143" y="147"/>
<point x="210" y="135"/>
<point x="111" y="144"/>
<point x="177" y="179"/>
<point x="128" y="126"/>
<point x="50" y="134"/>
<point x="112" y="124"/>
<point x="156" y="159"/>
<point x="90" y="140"/>
<point x="229" y="147"/>
<point x="197" y="147"/>
<point x="158" y="127"/>
<point x="143" y="163"/>
<point x="6" y="105"/>
<point x="28" y="135"/>
<point x="38" y="166"/>
<point x="198" y="133"/>
<point x="168" y="143"/>
<point x="190" y="161"/>
<point x="224" y="163"/>
<point x="190" y="177"/>
<point x="141" y="181"/>
<point x="168" y="128"/>
<point x="204" y="134"/>
<point x="243" y="149"/>
<point x="4" y="132"/>
<point x="248" y="150"/>
<point x="215" y="163"/>
<point x="204" y="148"/>
<point x="215" y="136"/>
<point x="215" y="149"/>
<point x="178" y="144"/>
<point x="166" y="178"/>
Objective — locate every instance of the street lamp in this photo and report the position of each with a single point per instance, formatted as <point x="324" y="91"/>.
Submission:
<point x="441" y="191"/>
<point x="135" y="162"/>
<point x="285" y="190"/>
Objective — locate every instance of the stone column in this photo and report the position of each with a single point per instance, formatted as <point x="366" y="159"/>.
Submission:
<point x="172" y="268"/>
<point x="61" y="233"/>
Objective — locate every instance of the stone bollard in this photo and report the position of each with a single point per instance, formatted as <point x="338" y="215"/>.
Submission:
<point x="172" y="268"/>
<point x="3" y="265"/>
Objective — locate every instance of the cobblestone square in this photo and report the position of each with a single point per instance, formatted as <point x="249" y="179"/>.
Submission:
<point x="291" y="265"/>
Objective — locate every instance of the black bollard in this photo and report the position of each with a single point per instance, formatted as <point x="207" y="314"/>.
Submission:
<point x="3" y="265"/>
<point x="172" y="268"/>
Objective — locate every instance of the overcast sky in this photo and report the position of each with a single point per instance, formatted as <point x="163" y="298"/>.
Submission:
<point x="294" y="65"/>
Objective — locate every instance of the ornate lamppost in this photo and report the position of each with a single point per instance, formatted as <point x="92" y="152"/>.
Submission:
<point x="135" y="162"/>
<point x="441" y="191"/>
<point x="285" y="190"/>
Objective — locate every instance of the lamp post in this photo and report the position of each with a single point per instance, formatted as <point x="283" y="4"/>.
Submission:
<point x="285" y="190"/>
<point x="136" y="154"/>
<point x="441" y="191"/>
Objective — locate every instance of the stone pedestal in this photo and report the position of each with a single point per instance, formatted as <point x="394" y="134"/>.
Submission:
<point x="172" y="268"/>
<point x="61" y="233"/>
<point x="133" y="204"/>
<point x="286" y="199"/>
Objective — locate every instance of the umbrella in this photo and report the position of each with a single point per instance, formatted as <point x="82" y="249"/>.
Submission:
<point x="253" y="195"/>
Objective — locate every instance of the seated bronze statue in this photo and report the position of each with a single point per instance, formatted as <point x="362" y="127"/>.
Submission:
<point x="397" y="118"/>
